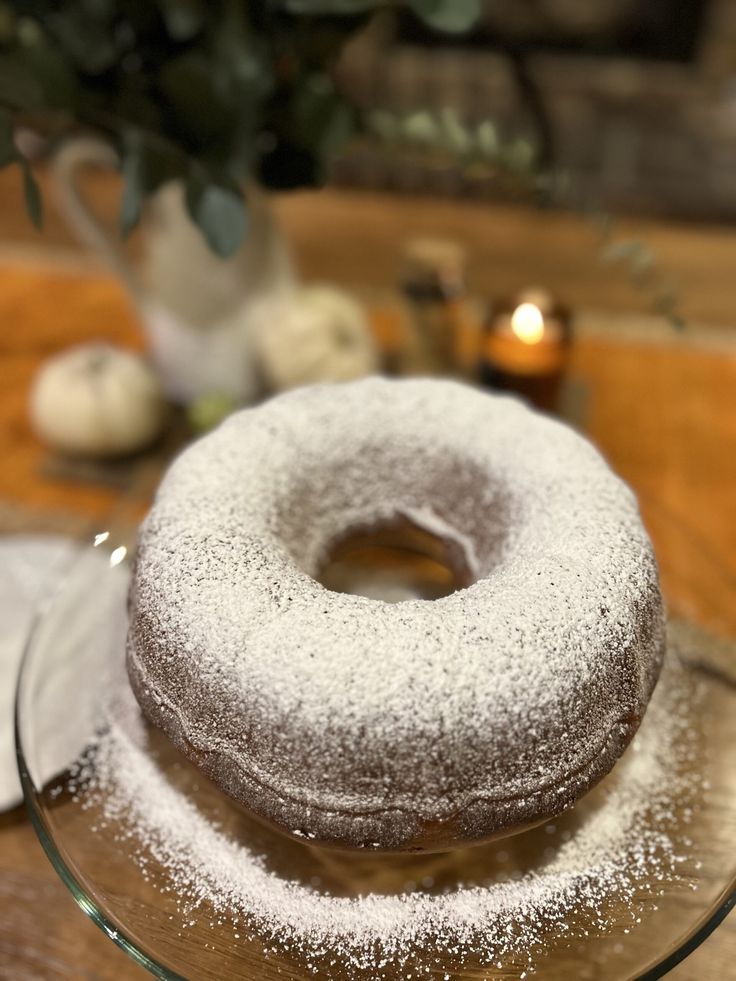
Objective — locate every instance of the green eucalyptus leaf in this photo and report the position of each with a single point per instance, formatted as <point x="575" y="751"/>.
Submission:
<point x="7" y="22"/>
<point x="132" y="107"/>
<point x="19" y="88"/>
<point x="220" y="214"/>
<point x="242" y="73"/>
<point x="319" y="8"/>
<point x="384" y="124"/>
<point x="420" y="127"/>
<point x="209" y="410"/>
<point x="132" y="199"/>
<point x="186" y="79"/>
<point x="338" y="129"/>
<point x="200" y="113"/>
<point x="519" y="156"/>
<point x="9" y="153"/>
<point x="32" y="194"/>
<point x="145" y="166"/>
<point x="643" y="262"/>
<point x="487" y="140"/>
<point x="8" y="149"/>
<point x="665" y="300"/>
<point x="241" y="64"/>
<point x="324" y="119"/>
<point x="85" y="36"/>
<point x="53" y="74"/>
<point x="451" y="16"/>
<point x="454" y="134"/>
<point x="101" y="10"/>
<point x="183" y="18"/>
<point x="623" y="250"/>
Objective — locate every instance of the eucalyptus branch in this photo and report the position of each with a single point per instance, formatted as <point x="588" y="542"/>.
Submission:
<point x="482" y="151"/>
<point x="212" y="92"/>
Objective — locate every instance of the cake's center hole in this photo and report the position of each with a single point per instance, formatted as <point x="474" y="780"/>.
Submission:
<point x="395" y="561"/>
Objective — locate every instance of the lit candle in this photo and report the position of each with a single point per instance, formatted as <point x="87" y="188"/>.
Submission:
<point x="525" y="346"/>
<point x="527" y="323"/>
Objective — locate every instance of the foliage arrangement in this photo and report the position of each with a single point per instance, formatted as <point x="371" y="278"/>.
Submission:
<point x="218" y="92"/>
<point x="213" y="92"/>
<point x="473" y="148"/>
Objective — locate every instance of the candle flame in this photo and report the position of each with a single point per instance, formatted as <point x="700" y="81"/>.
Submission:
<point x="527" y="323"/>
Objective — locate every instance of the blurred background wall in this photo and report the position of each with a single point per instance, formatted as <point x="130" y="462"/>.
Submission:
<point x="634" y="102"/>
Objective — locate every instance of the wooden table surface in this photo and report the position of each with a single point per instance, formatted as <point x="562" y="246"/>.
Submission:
<point x="662" y="408"/>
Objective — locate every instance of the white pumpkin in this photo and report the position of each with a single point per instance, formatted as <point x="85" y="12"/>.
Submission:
<point x="96" y="400"/>
<point x="312" y="334"/>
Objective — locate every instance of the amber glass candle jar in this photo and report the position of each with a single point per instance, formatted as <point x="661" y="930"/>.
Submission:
<point x="525" y="346"/>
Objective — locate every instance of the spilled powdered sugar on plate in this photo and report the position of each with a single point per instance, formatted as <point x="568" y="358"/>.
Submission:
<point x="623" y="842"/>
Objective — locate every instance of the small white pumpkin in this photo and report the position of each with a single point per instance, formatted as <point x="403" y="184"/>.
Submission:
<point x="97" y="400"/>
<point x="313" y="334"/>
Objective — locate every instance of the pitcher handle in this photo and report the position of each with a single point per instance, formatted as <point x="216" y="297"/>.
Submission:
<point x="89" y="230"/>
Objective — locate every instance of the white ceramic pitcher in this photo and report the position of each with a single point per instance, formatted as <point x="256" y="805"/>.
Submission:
<point x="193" y="305"/>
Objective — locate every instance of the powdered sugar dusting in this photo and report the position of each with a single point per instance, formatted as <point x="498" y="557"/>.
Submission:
<point x="620" y="840"/>
<point x="351" y="720"/>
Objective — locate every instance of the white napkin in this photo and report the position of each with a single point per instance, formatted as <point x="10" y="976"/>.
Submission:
<point x="29" y="566"/>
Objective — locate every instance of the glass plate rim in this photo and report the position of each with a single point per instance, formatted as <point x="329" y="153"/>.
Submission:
<point x="53" y="852"/>
<point x="63" y="867"/>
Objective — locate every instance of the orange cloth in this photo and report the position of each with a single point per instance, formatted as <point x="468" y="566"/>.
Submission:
<point x="42" y="310"/>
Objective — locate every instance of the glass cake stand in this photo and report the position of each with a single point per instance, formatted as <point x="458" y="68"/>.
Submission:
<point x="78" y="639"/>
